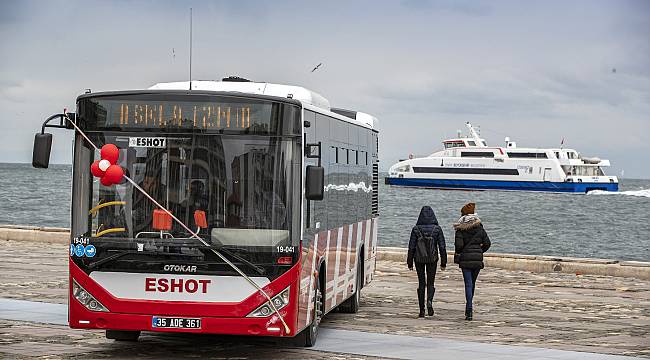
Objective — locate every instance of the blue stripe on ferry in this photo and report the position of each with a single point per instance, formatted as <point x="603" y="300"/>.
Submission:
<point x="503" y="185"/>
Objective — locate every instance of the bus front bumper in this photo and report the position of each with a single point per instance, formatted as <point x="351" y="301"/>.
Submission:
<point x="81" y="318"/>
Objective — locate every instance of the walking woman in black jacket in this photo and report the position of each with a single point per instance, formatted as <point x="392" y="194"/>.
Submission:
<point x="470" y="243"/>
<point x="427" y="241"/>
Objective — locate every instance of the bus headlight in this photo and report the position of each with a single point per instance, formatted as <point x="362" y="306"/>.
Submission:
<point x="86" y="299"/>
<point x="280" y="301"/>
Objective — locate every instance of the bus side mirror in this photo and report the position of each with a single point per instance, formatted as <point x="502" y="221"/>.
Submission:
<point x="42" y="148"/>
<point x="314" y="183"/>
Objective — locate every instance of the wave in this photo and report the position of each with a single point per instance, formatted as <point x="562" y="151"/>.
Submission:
<point x="637" y="193"/>
<point x="350" y="187"/>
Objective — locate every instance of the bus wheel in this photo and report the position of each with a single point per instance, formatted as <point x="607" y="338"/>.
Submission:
<point x="121" y="335"/>
<point x="351" y="305"/>
<point x="311" y="332"/>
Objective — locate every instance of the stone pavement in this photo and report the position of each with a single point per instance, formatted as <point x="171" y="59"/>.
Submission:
<point x="597" y="314"/>
<point x="26" y="340"/>
<point x="347" y="342"/>
<point x="561" y="311"/>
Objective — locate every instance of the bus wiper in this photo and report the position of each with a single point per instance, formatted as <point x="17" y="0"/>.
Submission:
<point x="118" y="255"/>
<point x="225" y="250"/>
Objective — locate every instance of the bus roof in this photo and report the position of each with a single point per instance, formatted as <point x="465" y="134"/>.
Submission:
<point x="310" y="99"/>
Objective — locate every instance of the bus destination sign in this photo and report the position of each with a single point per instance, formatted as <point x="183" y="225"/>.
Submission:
<point x="204" y="115"/>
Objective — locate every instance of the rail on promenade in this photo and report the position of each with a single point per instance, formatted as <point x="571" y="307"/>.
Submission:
<point x="531" y="263"/>
<point x="543" y="264"/>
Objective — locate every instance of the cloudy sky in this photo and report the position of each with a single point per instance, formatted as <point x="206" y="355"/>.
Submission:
<point x="535" y="71"/>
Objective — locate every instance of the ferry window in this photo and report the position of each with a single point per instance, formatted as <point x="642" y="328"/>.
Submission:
<point x="449" y="145"/>
<point x="478" y="154"/>
<point x="365" y="152"/>
<point x="463" y="170"/>
<point x="471" y="143"/>
<point x="336" y="155"/>
<point x="557" y="154"/>
<point x="527" y="155"/>
<point x="484" y="143"/>
<point x="356" y="154"/>
<point x="347" y="156"/>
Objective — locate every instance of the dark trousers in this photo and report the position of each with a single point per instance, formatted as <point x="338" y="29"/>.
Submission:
<point x="469" y="277"/>
<point x="426" y="277"/>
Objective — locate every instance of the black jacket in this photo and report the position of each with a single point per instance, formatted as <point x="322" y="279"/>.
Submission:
<point x="471" y="242"/>
<point x="428" y="226"/>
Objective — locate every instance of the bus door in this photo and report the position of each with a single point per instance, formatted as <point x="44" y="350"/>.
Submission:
<point x="309" y="217"/>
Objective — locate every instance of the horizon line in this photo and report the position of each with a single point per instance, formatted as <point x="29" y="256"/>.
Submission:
<point x="384" y="170"/>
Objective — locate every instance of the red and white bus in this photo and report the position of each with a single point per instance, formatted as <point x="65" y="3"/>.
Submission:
<point x="273" y="196"/>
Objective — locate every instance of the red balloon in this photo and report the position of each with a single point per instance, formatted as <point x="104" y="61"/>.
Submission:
<point x="111" y="153"/>
<point x="104" y="180"/>
<point x="114" y="174"/>
<point x="95" y="170"/>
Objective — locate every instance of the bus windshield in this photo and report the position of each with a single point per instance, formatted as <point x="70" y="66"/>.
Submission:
<point x="242" y="184"/>
<point x="241" y="178"/>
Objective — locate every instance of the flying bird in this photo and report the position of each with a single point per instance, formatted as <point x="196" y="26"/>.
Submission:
<point x="316" y="68"/>
<point x="614" y="70"/>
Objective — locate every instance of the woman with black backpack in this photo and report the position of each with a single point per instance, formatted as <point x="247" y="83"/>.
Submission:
<point x="470" y="243"/>
<point x="427" y="241"/>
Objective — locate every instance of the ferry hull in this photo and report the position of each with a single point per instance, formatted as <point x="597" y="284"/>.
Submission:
<point x="546" y="186"/>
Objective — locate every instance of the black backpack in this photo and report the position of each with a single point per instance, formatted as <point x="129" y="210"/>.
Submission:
<point x="424" y="247"/>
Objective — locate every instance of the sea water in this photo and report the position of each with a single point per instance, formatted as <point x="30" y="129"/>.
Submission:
<point x="598" y="225"/>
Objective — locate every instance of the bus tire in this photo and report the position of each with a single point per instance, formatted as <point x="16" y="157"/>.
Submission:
<point x="351" y="305"/>
<point x="121" y="335"/>
<point x="311" y="332"/>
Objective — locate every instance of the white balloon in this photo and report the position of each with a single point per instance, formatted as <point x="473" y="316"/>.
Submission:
<point x="104" y="164"/>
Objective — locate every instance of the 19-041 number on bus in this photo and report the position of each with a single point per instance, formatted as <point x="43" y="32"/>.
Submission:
<point x="285" y="249"/>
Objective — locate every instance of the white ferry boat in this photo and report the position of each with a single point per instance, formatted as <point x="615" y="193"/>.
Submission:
<point x="468" y="163"/>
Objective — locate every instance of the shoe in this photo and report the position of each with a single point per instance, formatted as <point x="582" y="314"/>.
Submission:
<point x="421" y="314"/>
<point x="468" y="314"/>
<point x="430" y="307"/>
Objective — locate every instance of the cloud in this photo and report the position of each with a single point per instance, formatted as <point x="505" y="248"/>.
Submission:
<point x="534" y="71"/>
<point x="473" y="8"/>
<point x="11" y="12"/>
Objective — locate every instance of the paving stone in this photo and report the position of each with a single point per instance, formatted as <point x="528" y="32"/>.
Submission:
<point x="40" y="349"/>
<point x="600" y="314"/>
